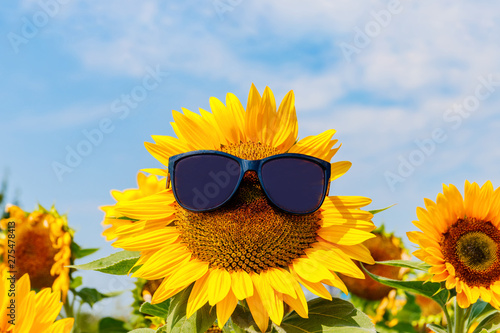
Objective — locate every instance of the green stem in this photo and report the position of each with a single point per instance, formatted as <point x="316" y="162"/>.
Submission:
<point x="68" y="309"/>
<point x="459" y="318"/>
<point x="466" y="317"/>
<point x="449" y="323"/>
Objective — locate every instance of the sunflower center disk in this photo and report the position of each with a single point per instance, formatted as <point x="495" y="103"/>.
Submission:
<point x="471" y="246"/>
<point x="35" y="254"/>
<point x="477" y="250"/>
<point x="247" y="233"/>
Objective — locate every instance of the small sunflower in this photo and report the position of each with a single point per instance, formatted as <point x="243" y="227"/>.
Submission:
<point x="460" y="239"/>
<point x="248" y="249"/>
<point x="43" y="247"/>
<point x="143" y="292"/>
<point x="33" y="312"/>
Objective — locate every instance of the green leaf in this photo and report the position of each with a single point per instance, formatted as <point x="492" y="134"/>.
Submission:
<point x="86" y="252"/>
<point x="376" y="211"/>
<point x="157" y="310"/>
<point x="112" y="325"/>
<point x="75" y="282"/>
<point x="177" y="322"/>
<point x="92" y="296"/>
<point x="118" y="263"/>
<point x="143" y="330"/>
<point x="398" y="328"/>
<point x="490" y="323"/>
<point x="419" y="265"/>
<point x="436" y="328"/>
<point x="479" y="311"/>
<point x="78" y="252"/>
<point x="243" y="320"/>
<point x="428" y="289"/>
<point x="162" y="329"/>
<point x="325" y="316"/>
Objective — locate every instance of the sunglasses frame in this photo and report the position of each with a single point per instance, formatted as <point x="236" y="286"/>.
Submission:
<point x="249" y="165"/>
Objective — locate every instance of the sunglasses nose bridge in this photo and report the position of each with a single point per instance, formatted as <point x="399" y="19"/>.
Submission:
<point x="247" y="165"/>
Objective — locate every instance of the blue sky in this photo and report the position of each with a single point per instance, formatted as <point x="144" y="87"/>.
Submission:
<point x="412" y="88"/>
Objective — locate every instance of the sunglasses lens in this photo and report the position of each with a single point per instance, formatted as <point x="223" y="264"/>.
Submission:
<point x="293" y="184"/>
<point x="203" y="182"/>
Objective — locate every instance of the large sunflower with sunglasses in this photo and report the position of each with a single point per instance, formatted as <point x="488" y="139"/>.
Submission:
<point x="244" y="215"/>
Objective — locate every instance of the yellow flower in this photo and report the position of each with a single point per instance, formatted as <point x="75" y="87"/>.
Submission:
<point x="28" y="312"/>
<point x="43" y="247"/>
<point x="247" y="249"/>
<point x="461" y="241"/>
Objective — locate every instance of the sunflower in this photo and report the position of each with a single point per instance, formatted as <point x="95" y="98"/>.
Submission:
<point x="30" y="312"/>
<point x="248" y="249"/>
<point x="43" y="247"/>
<point x="143" y="292"/>
<point x="460" y="239"/>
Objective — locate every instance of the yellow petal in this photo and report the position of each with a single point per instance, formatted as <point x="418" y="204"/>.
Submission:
<point x="299" y="302"/>
<point x="462" y="300"/>
<point x="198" y="296"/>
<point x="219" y="284"/>
<point x="149" y="240"/>
<point x="271" y="300"/>
<point x="182" y="277"/>
<point x="357" y="252"/>
<point x="345" y="202"/>
<point x="280" y="280"/>
<point x="241" y="284"/>
<point x="225" y="308"/>
<point x="311" y="270"/>
<point x="333" y="260"/>
<point x="62" y="326"/>
<point x="317" y="288"/>
<point x="287" y="124"/>
<point x="339" y="169"/>
<point x="253" y="115"/>
<point x="344" y="235"/>
<point x="259" y="313"/>
<point x="319" y="146"/>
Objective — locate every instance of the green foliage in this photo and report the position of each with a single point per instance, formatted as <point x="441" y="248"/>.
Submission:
<point x="428" y="289"/>
<point x="75" y="282"/>
<point x="328" y="316"/>
<point x="376" y="211"/>
<point x="436" y="328"/>
<point x="119" y="263"/>
<point x="243" y="320"/>
<point x="491" y="323"/>
<point x="418" y="265"/>
<point x="92" y="296"/>
<point x="177" y="322"/>
<point x="157" y="310"/>
<point x="78" y="252"/>
<point x="112" y="325"/>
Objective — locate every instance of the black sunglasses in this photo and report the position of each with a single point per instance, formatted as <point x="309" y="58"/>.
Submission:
<point x="204" y="180"/>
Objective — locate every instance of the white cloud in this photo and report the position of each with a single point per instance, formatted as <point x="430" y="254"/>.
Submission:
<point x="63" y="119"/>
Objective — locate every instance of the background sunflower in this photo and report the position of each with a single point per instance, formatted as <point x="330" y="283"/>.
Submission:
<point x="460" y="239"/>
<point x="43" y="247"/>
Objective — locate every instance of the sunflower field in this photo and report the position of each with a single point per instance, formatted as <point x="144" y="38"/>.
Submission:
<point x="242" y="230"/>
